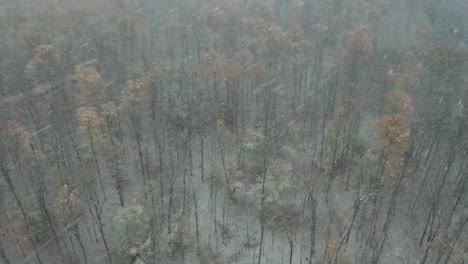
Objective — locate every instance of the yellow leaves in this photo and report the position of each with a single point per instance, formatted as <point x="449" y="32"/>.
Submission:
<point x="334" y="128"/>
<point x="68" y="202"/>
<point x="109" y="109"/>
<point x="220" y="125"/>
<point x="87" y="77"/>
<point x="88" y="120"/>
<point x="211" y="61"/>
<point x="19" y="139"/>
<point x="89" y="84"/>
<point x="152" y="70"/>
<point x="133" y="94"/>
<point x="231" y="71"/>
<point x="393" y="131"/>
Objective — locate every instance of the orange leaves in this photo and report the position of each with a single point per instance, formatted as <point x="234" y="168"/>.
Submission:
<point x="393" y="131"/>
<point x="398" y="102"/>
<point x="88" y="120"/>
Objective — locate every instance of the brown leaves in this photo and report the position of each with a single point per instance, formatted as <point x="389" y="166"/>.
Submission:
<point x="398" y="102"/>
<point x="42" y="64"/>
<point x="231" y="71"/>
<point x="274" y="39"/>
<point x="447" y="56"/>
<point x="393" y="131"/>
<point x="408" y="73"/>
<point x="215" y="20"/>
<point x="392" y="128"/>
<point x="295" y="35"/>
<point x="16" y="134"/>
<point x="359" y="42"/>
<point x="258" y="73"/>
<point x="356" y="48"/>
<point x="270" y="35"/>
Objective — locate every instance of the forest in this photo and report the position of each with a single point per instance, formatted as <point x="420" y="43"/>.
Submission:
<point x="233" y="131"/>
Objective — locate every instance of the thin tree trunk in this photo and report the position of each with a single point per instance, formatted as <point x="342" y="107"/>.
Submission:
<point x="6" y="175"/>
<point x="202" y="162"/>
<point x="196" y="222"/>
<point x="3" y="257"/>
<point x="98" y="169"/>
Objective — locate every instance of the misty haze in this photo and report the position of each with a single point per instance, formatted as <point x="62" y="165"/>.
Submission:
<point x="233" y="132"/>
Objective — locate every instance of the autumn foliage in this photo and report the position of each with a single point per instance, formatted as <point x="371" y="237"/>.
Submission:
<point x="89" y="83"/>
<point x="132" y="93"/>
<point x="397" y="102"/>
<point x="17" y="135"/>
<point x="88" y="120"/>
<point x="393" y="131"/>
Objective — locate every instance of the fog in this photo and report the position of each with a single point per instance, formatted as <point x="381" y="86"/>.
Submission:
<point x="233" y="131"/>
